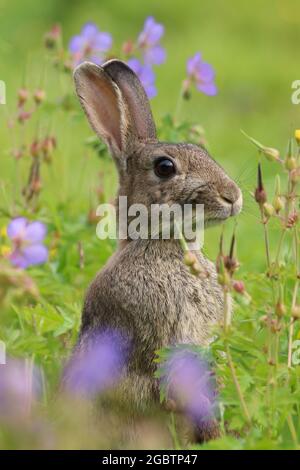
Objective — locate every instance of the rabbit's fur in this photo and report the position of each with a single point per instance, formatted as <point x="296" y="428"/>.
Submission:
<point x="145" y="289"/>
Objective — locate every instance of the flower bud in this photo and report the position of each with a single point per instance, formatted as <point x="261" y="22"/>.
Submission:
<point x="49" y="41"/>
<point x="224" y="279"/>
<point x="271" y="153"/>
<point x="24" y="116"/>
<point x="275" y="326"/>
<point x="128" y="48"/>
<point x="36" y="185"/>
<point x="278" y="204"/>
<point x="52" y="37"/>
<point x="268" y="209"/>
<point x="48" y="146"/>
<point x="264" y="319"/>
<point x="295" y="175"/>
<point x="35" y="148"/>
<point x="195" y="268"/>
<point x="231" y="264"/>
<point x="239" y="286"/>
<point x="290" y="163"/>
<point x="23" y="95"/>
<point x="295" y="312"/>
<point x="292" y="220"/>
<point x="39" y="96"/>
<point x="186" y="89"/>
<point x="92" y="217"/>
<point x="189" y="258"/>
<point x="280" y="309"/>
<point x="260" y="195"/>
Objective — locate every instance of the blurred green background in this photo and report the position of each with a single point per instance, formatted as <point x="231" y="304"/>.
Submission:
<point x="253" y="47"/>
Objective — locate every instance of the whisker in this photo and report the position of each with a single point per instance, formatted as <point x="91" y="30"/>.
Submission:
<point x="247" y="171"/>
<point x="247" y="213"/>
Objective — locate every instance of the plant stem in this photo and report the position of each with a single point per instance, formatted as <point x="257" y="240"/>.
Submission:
<point x="267" y="246"/>
<point x="173" y="432"/>
<point x="269" y="313"/>
<point x="183" y="244"/>
<point x="279" y="246"/>
<point x="292" y="430"/>
<point x="291" y="334"/>
<point x="227" y="312"/>
<point x="237" y="386"/>
<point x="291" y="327"/>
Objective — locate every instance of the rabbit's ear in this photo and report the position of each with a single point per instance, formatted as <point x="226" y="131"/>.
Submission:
<point x="102" y="102"/>
<point x="137" y="103"/>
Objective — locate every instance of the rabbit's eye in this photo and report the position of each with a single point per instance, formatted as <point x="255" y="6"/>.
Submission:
<point x="164" y="167"/>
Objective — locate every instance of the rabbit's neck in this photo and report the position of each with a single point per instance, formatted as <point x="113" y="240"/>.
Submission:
<point x="157" y="247"/>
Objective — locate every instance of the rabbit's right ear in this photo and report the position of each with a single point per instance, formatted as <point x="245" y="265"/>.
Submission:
<point x="140" y="116"/>
<point x="102" y="102"/>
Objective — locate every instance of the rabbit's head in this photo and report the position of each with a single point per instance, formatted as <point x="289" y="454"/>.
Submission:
<point x="151" y="172"/>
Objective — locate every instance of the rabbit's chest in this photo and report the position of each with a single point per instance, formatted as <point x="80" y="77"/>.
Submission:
<point x="195" y="304"/>
<point x="170" y="304"/>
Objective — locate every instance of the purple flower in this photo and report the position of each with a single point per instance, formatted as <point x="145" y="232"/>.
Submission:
<point x="202" y="74"/>
<point x="148" y="42"/>
<point x="91" y="44"/>
<point x="20" y="384"/>
<point x="99" y="366"/>
<point x="189" y="383"/>
<point x="27" y="239"/>
<point x="145" y="74"/>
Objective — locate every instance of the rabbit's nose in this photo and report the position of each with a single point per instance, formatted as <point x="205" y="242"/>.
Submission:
<point x="227" y="199"/>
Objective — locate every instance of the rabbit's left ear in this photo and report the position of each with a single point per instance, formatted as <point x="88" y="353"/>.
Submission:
<point x="134" y="95"/>
<point x="106" y="111"/>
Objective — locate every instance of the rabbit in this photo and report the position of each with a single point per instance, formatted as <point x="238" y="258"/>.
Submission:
<point x="146" y="289"/>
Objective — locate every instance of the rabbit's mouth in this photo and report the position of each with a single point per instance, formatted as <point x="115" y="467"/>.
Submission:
<point x="218" y="209"/>
<point x="230" y="206"/>
<point x="224" y="209"/>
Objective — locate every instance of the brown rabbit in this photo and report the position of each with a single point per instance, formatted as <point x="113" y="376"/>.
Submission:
<point x="145" y="289"/>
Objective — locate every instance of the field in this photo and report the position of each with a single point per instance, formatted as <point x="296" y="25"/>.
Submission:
<point x="54" y="171"/>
